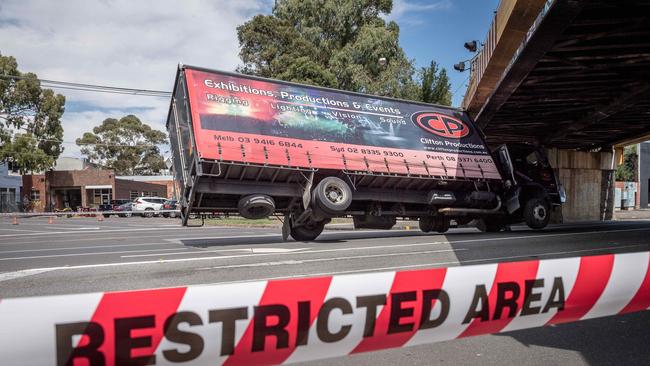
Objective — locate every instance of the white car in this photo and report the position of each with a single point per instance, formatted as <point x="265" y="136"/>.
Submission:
<point x="148" y="205"/>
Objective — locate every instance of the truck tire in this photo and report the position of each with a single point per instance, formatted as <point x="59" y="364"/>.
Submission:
<point x="430" y="223"/>
<point x="148" y="212"/>
<point x="332" y="196"/>
<point x="307" y="232"/>
<point x="106" y="215"/>
<point x="441" y="225"/>
<point x="426" y="224"/>
<point x="536" y="213"/>
<point x="490" y="224"/>
<point x="256" y="206"/>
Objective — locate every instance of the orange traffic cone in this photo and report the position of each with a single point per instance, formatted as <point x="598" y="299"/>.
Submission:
<point x="50" y="220"/>
<point x="15" y="220"/>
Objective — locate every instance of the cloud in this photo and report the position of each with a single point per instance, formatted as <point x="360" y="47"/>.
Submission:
<point x="404" y="9"/>
<point x="124" y="43"/>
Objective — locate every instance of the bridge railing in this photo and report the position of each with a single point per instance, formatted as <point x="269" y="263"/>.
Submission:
<point x="479" y="64"/>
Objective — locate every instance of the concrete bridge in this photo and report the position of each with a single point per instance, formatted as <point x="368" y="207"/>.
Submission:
<point x="573" y="76"/>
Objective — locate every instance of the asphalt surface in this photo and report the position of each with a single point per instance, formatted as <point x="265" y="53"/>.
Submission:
<point x="77" y="255"/>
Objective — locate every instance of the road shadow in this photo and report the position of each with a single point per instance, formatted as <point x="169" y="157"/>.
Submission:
<point x="327" y="237"/>
<point x="336" y="236"/>
<point x="614" y="340"/>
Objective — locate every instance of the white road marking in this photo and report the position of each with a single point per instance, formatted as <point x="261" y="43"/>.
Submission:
<point x="85" y="254"/>
<point x="274" y="250"/>
<point x="82" y="228"/>
<point x="68" y="226"/>
<point x="24" y="230"/>
<point x="502" y="238"/>
<point x="251" y="250"/>
<point x="24" y="273"/>
<point x="180" y="240"/>
<point x="86" y="247"/>
<point x="430" y="264"/>
<point x="407" y="266"/>
<point x="302" y="261"/>
<point x="116" y="231"/>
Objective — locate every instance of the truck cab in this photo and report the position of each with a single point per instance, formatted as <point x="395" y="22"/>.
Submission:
<point x="532" y="190"/>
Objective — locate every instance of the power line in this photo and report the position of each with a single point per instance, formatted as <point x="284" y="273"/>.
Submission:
<point x="460" y="86"/>
<point x="93" y="87"/>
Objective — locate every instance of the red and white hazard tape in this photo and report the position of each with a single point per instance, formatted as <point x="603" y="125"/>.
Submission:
<point x="284" y="321"/>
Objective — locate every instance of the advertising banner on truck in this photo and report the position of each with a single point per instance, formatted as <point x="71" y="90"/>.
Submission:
<point x="242" y="119"/>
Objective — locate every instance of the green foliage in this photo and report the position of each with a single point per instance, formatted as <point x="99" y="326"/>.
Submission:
<point x="127" y="146"/>
<point x="337" y="44"/>
<point x="30" y="119"/>
<point x="627" y="172"/>
<point x="434" y="85"/>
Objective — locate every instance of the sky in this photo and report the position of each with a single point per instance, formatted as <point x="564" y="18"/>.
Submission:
<point x="138" y="44"/>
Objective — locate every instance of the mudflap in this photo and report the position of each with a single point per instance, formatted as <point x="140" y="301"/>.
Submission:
<point x="306" y="194"/>
<point x="286" y="228"/>
<point x="512" y="200"/>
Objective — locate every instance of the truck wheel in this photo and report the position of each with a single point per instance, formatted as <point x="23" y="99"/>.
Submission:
<point x="426" y="224"/>
<point x="441" y="225"/>
<point x="332" y="195"/>
<point x="307" y="232"/>
<point x="148" y="212"/>
<point x="429" y="223"/>
<point x="256" y="206"/>
<point x="490" y="224"/>
<point x="106" y="215"/>
<point x="536" y="213"/>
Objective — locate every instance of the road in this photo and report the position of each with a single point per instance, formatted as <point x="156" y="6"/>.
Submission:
<point x="76" y="255"/>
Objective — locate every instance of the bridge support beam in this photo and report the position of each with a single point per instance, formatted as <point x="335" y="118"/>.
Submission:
<point x="588" y="178"/>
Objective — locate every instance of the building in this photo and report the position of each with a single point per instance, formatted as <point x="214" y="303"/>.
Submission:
<point x="10" y="189"/>
<point x="83" y="186"/>
<point x="167" y="180"/>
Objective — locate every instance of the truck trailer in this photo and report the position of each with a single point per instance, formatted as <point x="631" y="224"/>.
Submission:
<point x="258" y="147"/>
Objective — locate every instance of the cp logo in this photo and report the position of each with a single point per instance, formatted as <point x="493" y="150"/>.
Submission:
<point x="441" y="125"/>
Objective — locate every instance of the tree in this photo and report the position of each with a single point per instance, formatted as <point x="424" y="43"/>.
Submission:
<point x="434" y="85"/>
<point x="331" y="43"/>
<point x="627" y="172"/>
<point x="30" y="119"/>
<point x="127" y="146"/>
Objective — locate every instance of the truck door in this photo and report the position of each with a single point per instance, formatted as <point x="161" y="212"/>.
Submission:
<point x="506" y="163"/>
<point x="531" y="167"/>
<point x="512" y="194"/>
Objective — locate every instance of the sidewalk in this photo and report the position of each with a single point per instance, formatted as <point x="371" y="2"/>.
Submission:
<point x="632" y="215"/>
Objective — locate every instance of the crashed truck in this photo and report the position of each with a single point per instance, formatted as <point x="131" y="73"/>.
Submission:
<point x="259" y="147"/>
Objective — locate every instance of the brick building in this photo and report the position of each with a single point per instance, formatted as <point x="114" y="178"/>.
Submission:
<point x="167" y="180"/>
<point x="90" y="187"/>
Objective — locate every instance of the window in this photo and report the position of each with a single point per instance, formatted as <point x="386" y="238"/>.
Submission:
<point x="12" y="167"/>
<point x="35" y="195"/>
<point x="133" y="195"/>
<point x="101" y="196"/>
<point x="7" y="199"/>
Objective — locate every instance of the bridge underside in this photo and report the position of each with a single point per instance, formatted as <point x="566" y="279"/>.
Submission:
<point x="582" y="81"/>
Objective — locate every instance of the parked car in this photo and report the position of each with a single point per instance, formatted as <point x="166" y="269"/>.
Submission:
<point x="147" y="206"/>
<point x="112" y="206"/>
<point x="170" y="205"/>
<point x="127" y="208"/>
